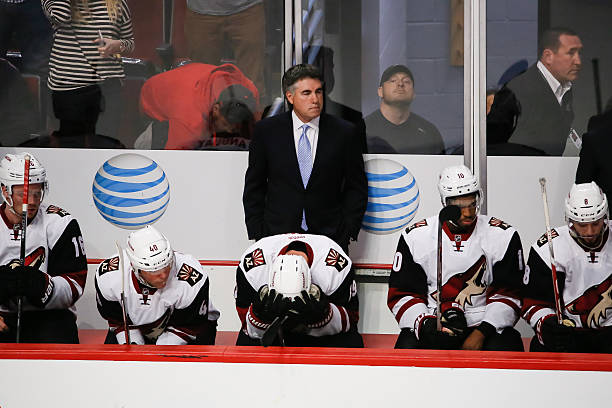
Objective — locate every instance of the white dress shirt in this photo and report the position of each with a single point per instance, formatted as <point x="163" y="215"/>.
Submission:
<point x="558" y="89"/>
<point x="312" y="133"/>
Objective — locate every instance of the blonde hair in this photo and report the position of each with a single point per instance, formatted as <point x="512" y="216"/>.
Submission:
<point x="80" y="8"/>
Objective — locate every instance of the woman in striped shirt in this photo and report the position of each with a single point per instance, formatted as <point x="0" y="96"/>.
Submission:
<point x="85" y="68"/>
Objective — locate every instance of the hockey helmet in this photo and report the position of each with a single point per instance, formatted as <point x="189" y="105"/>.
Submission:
<point x="12" y="168"/>
<point x="457" y="181"/>
<point x="149" y="250"/>
<point x="289" y="275"/>
<point x="586" y="203"/>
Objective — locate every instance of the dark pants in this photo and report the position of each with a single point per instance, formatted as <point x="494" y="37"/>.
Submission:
<point x="508" y="340"/>
<point x="350" y="339"/>
<point x="90" y="109"/>
<point x="585" y="341"/>
<point x="32" y="31"/>
<point x="48" y="326"/>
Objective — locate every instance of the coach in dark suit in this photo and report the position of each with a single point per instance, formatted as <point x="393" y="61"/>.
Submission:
<point x="305" y="170"/>
<point x="534" y="109"/>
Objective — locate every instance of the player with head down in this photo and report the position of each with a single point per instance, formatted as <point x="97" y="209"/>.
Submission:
<point x="584" y="276"/>
<point x="481" y="275"/>
<point x="55" y="266"/>
<point x="166" y="294"/>
<point x="303" y="283"/>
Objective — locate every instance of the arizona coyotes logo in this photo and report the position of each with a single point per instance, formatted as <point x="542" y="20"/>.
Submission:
<point x="418" y="224"/>
<point x="36" y="259"/>
<point x="593" y="304"/>
<point x="56" y="210"/>
<point x="255" y="258"/>
<point x="154" y="329"/>
<point x="544" y="238"/>
<point x="336" y="260"/>
<point x="495" y="222"/>
<point x="462" y="287"/>
<point x="108" y="265"/>
<point x="189" y="275"/>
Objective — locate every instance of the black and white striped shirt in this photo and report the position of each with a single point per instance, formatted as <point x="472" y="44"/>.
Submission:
<point x="75" y="60"/>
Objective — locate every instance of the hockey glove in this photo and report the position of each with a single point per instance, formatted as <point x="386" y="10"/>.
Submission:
<point x="430" y="338"/>
<point x="454" y="320"/>
<point x="8" y="283"/>
<point x="558" y="337"/>
<point x="35" y="285"/>
<point x="269" y="304"/>
<point x="312" y="307"/>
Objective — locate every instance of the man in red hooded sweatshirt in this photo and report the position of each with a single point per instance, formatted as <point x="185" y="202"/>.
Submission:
<point x="201" y="105"/>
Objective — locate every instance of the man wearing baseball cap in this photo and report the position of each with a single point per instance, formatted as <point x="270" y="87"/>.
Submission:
<point x="201" y="105"/>
<point x="394" y="128"/>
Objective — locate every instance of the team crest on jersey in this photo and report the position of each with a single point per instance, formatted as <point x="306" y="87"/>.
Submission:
<point x="594" y="304"/>
<point x="336" y="260"/>
<point x="108" y="265"/>
<point x="56" y="210"/>
<point x="35" y="259"/>
<point x="544" y="238"/>
<point x="189" y="275"/>
<point x="255" y="258"/>
<point x="460" y="288"/>
<point x="496" y="222"/>
<point x="417" y="224"/>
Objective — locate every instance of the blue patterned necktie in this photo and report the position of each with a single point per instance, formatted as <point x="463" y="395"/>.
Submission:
<point x="304" y="155"/>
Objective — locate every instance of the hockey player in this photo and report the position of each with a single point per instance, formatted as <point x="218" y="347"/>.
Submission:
<point x="481" y="277"/>
<point x="584" y="274"/>
<point x="55" y="269"/>
<point x="323" y="311"/>
<point x="166" y="294"/>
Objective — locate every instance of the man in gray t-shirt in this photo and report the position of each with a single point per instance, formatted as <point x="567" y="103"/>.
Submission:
<point x="212" y="26"/>
<point x="394" y="128"/>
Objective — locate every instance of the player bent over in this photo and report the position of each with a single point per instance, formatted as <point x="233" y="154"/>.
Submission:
<point x="482" y="272"/>
<point x="55" y="270"/>
<point x="166" y="294"/>
<point x="306" y="278"/>
<point x="582" y="251"/>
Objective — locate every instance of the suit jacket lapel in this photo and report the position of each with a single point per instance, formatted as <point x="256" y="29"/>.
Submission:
<point x="321" y="147"/>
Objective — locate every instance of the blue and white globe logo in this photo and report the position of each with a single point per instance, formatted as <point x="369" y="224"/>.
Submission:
<point x="131" y="191"/>
<point x="393" y="197"/>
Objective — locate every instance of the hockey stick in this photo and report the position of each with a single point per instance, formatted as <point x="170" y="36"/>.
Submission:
<point x="552" y="253"/>
<point x="450" y="212"/>
<point x="123" y="306"/>
<point x="275" y="329"/>
<point x="24" y="224"/>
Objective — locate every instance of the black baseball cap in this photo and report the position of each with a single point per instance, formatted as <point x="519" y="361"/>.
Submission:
<point x="394" y="69"/>
<point x="237" y="104"/>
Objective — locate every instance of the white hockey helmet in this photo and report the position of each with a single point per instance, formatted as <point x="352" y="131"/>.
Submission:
<point x="586" y="203"/>
<point x="289" y="275"/>
<point x="457" y="181"/>
<point x="12" y="168"/>
<point x="149" y="250"/>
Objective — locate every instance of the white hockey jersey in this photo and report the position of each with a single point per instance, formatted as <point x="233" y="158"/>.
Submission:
<point x="174" y="314"/>
<point x="54" y="245"/>
<point x="584" y="278"/>
<point x="481" y="273"/>
<point x="330" y="269"/>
